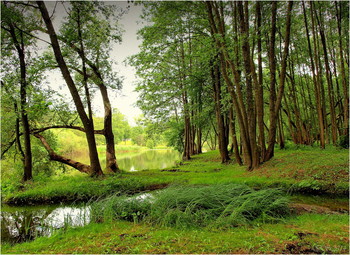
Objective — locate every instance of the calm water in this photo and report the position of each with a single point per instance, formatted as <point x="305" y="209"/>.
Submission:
<point x="20" y="224"/>
<point x="150" y="159"/>
<point x="25" y="223"/>
<point x="136" y="161"/>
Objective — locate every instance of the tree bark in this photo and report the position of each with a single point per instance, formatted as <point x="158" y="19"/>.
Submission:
<point x="19" y="45"/>
<point x="277" y="106"/>
<point x="342" y="70"/>
<point x="329" y="79"/>
<point x="88" y="125"/>
<point x="316" y="84"/>
<point x="55" y="157"/>
<point x="216" y="81"/>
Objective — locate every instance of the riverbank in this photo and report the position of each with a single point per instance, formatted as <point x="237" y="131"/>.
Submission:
<point x="306" y="233"/>
<point x="298" y="171"/>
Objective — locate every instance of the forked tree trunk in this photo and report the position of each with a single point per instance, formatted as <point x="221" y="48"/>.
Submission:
<point x="88" y="125"/>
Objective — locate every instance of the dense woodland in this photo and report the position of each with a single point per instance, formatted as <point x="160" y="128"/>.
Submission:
<point x="241" y="76"/>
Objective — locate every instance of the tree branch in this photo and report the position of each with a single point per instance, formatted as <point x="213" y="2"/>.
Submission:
<point x="55" y="157"/>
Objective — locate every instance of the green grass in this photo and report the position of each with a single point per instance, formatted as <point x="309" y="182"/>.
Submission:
<point x="308" y="233"/>
<point x="306" y="170"/>
<point x="215" y="205"/>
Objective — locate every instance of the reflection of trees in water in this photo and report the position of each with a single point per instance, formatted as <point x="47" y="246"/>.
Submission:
<point x="24" y="225"/>
<point x="151" y="159"/>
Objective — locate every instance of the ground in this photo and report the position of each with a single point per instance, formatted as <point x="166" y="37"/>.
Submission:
<point x="316" y="181"/>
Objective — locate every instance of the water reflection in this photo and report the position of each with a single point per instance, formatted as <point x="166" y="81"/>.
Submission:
<point x="20" y="224"/>
<point x="150" y="159"/>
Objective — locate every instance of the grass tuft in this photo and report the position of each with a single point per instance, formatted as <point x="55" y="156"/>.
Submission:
<point x="216" y="205"/>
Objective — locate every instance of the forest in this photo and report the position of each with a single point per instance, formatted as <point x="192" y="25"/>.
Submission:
<point x="241" y="147"/>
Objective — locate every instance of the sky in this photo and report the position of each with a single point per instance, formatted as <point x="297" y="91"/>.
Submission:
<point x="125" y="99"/>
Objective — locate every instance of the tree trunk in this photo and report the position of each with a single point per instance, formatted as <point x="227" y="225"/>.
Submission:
<point x="274" y="112"/>
<point x="342" y="70"/>
<point x="55" y="157"/>
<point x="234" y="138"/>
<point x="316" y="83"/>
<point x="216" y="81"/>
<point x="88" y="125"/>
<point x="329" y="80"/>
<point x="28" y="165"/>
<point x="259" y="90"/>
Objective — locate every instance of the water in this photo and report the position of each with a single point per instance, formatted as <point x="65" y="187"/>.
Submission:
<point x="136" y="161"/>
<point x="20" y="224"/>
<point x="150" y="159"/>
<point x="25" y="223"/>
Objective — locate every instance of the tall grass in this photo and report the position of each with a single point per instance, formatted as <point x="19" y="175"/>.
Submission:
<point x="178" y="206"/>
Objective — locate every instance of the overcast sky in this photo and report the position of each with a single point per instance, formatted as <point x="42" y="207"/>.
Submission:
<point x="125" y="99"/>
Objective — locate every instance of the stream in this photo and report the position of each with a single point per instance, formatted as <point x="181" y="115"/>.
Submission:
<point x="25" y="223"/>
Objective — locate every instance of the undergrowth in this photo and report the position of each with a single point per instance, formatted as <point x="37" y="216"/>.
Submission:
<point x="187" y="206"/>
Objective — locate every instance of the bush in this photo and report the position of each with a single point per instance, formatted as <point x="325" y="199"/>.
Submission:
<point x="344" y="141"/>
<point x="215" y="205"/>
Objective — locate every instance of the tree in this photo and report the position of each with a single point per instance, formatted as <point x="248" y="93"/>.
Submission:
<point x="14" y="22"/>
<point x="86" y="120"/>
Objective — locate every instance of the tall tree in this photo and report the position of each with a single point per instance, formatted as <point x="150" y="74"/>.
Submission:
<point x="87" y="122"/>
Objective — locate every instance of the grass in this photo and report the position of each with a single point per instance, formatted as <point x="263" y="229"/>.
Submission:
<point x="301" y="170"/>
<point x="169" y="225"/>
<point x="215" y="205"/>
<point x="308" y="233"/>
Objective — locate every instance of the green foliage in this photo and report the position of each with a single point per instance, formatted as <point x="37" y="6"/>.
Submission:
<point x="215" y="205"/>
<point x="344" y="141"/>
<point x="174" y="135"/>
<point x="150" y="144"/>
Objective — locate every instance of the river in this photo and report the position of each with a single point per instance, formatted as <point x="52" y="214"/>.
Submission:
<point x="20" y="224"/>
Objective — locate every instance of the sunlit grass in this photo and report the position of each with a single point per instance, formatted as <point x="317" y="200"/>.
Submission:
<point x="313" y="232"/>
<point x="325" y="171"/>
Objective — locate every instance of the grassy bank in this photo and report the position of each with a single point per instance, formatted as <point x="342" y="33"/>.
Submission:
<point x="304" y="170"/>
<point x="307" y="233"/>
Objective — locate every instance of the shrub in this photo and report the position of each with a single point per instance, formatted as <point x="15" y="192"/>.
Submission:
<point x="344" y="141"/>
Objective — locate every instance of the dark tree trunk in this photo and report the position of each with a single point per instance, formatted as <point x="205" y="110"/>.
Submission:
<point x="316" y="84"/>
<point x="88" y="125"/>
<point x="329" y="79"/>
<point x="260" y="92"/>
<point x="274" y="112"/>
<point x="342" y="70"/>
<point x="216" y="81"/>
<point x="19" y="44"/>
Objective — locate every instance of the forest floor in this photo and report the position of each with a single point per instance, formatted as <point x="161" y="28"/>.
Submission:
<point x="316" y="182"/>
